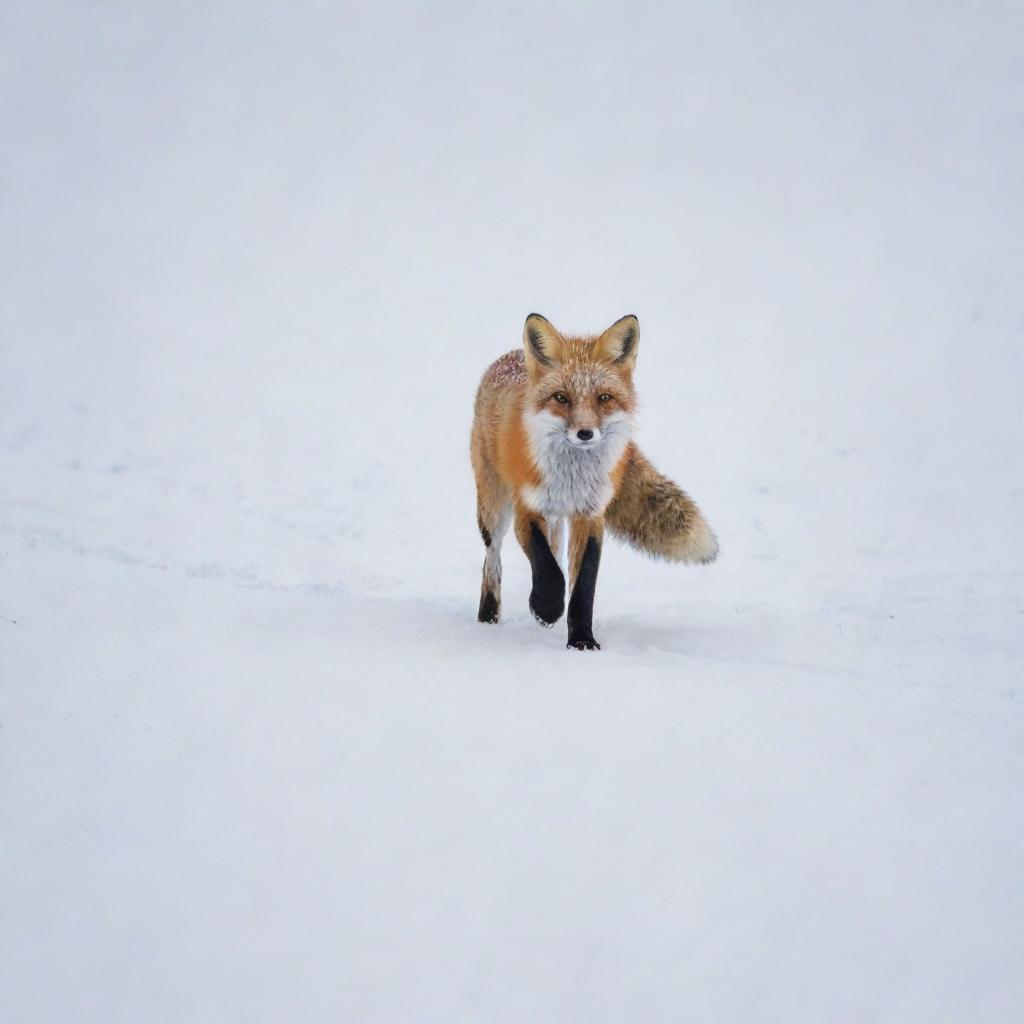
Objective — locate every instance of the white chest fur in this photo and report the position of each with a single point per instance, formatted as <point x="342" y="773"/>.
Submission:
<point x="574" y="481"/>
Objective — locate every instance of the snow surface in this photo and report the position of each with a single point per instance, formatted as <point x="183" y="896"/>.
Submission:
<point x="257" y="760"/>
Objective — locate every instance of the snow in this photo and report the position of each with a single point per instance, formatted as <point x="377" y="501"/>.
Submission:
<point x="258" y="761"/>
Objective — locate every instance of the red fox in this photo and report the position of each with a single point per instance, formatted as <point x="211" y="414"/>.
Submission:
<point x="552" y="443"/>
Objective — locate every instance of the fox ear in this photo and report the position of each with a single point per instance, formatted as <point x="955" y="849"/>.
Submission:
<point x="619" y="343"/>
<point x="543" y="344"/>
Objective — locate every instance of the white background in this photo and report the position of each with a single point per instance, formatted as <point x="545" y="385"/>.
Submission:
<point x="258" y="762"/>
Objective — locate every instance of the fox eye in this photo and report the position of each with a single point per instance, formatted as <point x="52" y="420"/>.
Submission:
<point x="561" y="397"/>
<point x="604" y="398"/>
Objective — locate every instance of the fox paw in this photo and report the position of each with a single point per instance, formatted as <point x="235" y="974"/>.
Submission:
<point x="547" y="613"/>
<point x="583" y="643"/>
<point x="543" y="622"/>
<point x="488" y="608"/>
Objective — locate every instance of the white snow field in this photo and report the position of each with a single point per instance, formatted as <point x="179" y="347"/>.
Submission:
<point x="258" y="761"/>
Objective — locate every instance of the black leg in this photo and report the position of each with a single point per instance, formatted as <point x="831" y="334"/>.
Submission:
<point x="581" y="604"/>
<point x="488" y="611"/>
<point x="547" y="599"/>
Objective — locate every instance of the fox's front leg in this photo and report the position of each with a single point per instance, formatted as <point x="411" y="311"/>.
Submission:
<point x="547" y="598"/>
<point x="585" y="539"/>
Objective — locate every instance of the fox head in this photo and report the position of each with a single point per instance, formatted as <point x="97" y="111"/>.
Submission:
<point x="581" y="389"/>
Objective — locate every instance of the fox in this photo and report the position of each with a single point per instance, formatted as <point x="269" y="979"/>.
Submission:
<point x="553" y="453"/>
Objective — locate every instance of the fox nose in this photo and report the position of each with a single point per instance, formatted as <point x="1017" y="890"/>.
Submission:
<point x="584" y="435"/>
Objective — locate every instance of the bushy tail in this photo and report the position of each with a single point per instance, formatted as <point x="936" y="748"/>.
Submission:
<point x="653" y="515"/>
